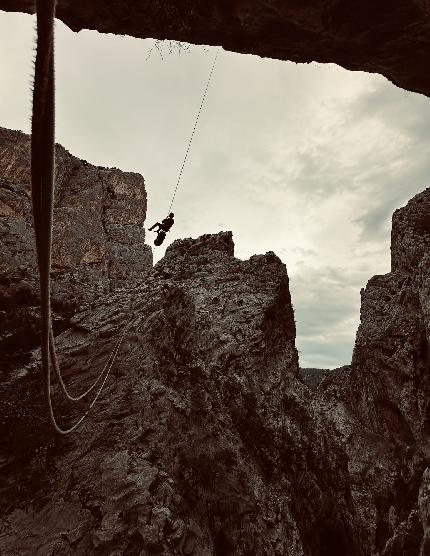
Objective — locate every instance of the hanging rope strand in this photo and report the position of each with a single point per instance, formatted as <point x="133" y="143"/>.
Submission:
<point x="42" y="185"/>
<point x="194" y="129"/>
<point x="103" y="376"/>
<point x="42" y="172"/>
<point x="56" y="367"/>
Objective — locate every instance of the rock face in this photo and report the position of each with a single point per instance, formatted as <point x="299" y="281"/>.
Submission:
<point x="392" y="39"/>
<point x="313" y="377"/>
<point x="387" y="389"/>
<point x="206" y="440"/>
<point x="392" y="350"/>
<point x="98" y="239"/>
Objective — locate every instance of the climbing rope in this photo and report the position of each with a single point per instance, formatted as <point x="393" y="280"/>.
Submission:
<point x="103" y="376"/>
<point x="194" y="129"/>
<point x="42" y="187"/>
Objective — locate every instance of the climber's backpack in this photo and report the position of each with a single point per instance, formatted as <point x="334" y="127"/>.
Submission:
<point x="161" y="235"/>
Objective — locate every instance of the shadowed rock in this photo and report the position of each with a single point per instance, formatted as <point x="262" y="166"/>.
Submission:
<point x="387" y="389"/>
<point x="98" y="239"/>
<point x="312" y="377"/>
<point x="203" y="431"/>
<point x="392" y="39"/>
<point x="206" y="440"/>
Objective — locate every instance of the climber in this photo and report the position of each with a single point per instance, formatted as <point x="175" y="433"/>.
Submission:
<point x="165" y="225"/>
<point x="163" y="228"/>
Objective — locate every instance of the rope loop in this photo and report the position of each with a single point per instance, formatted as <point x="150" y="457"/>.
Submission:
<point x="42" y="189"/>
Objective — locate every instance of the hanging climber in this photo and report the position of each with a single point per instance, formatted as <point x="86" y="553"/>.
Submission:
<point x="163" y="228"/>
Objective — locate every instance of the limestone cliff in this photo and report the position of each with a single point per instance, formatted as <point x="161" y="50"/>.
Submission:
<point x="378" y="36"/>
<point x="387" y="390"/>
<point x="98" y="239"/>
<point x="391" y="356"/>
<point x="206" y="440"/>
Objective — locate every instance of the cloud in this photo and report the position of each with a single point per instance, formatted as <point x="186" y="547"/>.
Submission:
<point x="325" y="353"/>
<point x="309" y="160"/>
<point x="399" y="169"/>
<point x="326" y="302"/>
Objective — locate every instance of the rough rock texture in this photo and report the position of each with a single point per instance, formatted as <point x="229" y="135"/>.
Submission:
<point x="205" y="441"/>
<point x="377" y="36"/>
<point x="392" y="346"/>
<point x="387" y="390"/>
<point x="98" y="239"/>
<point x="313" y="377"/>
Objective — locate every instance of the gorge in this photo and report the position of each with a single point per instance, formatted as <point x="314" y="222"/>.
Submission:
<point x="207" y="440"/>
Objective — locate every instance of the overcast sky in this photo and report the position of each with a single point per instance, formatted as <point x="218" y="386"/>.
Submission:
<point x="308" y="161"/>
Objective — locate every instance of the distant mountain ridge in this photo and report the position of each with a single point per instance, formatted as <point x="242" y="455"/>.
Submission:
<point x="313" y="377"/>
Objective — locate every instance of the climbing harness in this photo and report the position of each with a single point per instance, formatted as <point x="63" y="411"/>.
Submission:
<point x="194" y="129"/>
<point x="42" y="187"/>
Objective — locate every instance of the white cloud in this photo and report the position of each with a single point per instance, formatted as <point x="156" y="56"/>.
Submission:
<point x="306" y="160"/>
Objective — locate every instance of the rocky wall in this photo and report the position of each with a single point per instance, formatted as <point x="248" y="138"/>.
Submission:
<point x="378" y="36"/>
<point x="98" y="239"/>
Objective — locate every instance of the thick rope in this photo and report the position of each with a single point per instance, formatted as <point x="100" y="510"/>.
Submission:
<point x="42" y="184"/>
<point x="194" y="129"/>
<point x="42" y="172"/>
<point x="42" y="177"/>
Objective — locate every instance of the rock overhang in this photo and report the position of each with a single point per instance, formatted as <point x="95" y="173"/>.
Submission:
<point x="392" y="39"/>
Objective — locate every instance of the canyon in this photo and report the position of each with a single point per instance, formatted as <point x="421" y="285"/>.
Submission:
<point x="206" y="439"/>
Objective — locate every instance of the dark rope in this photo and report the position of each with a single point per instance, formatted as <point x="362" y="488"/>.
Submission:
<point x="194" y="129"/>
<point x="42" y="186"/>
<point x="42" y="172"/>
